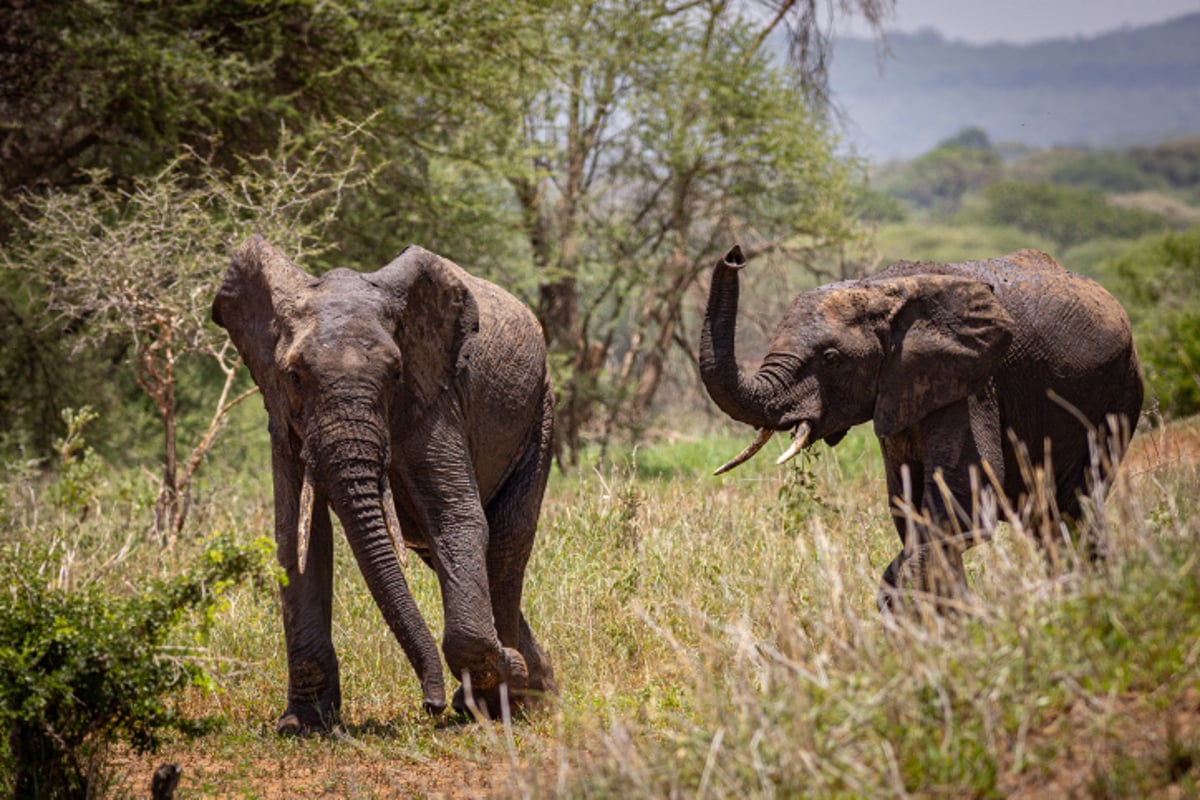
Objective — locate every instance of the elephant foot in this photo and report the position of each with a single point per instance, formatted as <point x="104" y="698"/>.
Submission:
<point x="303" y="720"/>
<point x="485" y="694"/>
<point x="927" y="580"/>
<point x="491" y="703"/>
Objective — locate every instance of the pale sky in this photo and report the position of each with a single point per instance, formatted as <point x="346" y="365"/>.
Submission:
<point x="980" y="21"/>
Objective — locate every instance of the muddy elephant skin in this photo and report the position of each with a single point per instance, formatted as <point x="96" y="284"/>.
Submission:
<point x="971" y="373"/>
<point x="415" y="402"/>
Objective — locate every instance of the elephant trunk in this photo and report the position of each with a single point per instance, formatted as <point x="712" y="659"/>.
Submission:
<point x="751" y="399"/>
<point x="353" y="468"/>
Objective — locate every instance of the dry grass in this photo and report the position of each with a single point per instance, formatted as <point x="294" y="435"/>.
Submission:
<point x="718" y="637"/>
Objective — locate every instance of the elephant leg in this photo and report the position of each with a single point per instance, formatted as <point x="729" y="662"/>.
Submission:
<point x="944" y="484"/>
<point x="457" y="535"/>
<point x="512" y="522"/>
<point x="905" y="488"/>
<point x="314" y="689"/>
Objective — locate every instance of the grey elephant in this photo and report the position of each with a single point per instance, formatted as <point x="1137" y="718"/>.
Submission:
<point x="972" y="374"/>
<point x="415" y="401"/>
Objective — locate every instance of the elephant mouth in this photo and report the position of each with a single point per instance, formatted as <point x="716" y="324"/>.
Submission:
<point x="305" y="512"/>
<point x="800" y="440"/>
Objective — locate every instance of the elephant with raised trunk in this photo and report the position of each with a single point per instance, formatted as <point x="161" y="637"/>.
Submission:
<point x="415" y="402"/>
<point x="974" y="374"/>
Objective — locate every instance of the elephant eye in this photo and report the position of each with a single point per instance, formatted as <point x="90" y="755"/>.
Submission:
<point x="832" y="354"/>
<point x="294" y="378"/>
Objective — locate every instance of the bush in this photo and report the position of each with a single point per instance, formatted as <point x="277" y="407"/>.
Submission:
<point x="83" y="668"/>
<point x="1160" y="285"/>
<point x="938" y="179"/>
<point x="83" y="661"/>
<point x="1066" y="215"/>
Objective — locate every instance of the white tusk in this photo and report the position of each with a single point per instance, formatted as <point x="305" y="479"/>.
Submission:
<point x="764" y="435"/>
<point x="304" y="524"/>
<point x="393" y="524"/>
<point x="799" y="439"/>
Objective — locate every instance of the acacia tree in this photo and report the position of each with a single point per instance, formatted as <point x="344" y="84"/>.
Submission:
<point x="661" y="131"/>
<point x="142" y="265"/>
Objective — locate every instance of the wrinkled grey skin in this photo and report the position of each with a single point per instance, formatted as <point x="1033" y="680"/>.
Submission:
<point x="425" y="382"/>
<point x="950" y="362"/>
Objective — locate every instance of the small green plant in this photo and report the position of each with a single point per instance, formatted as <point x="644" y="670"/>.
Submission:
<point x="82" y="668"/>
<point x="800" y="492"/>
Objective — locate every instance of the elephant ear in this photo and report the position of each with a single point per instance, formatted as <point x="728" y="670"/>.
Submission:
<point x="437" y="319"/>
<point x="258" y="290"/>
<point x="948" y="335"/>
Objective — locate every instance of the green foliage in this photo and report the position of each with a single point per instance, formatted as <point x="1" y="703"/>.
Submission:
<point x="949" y="242"/>
<point x="1109" y="171"/>
<point x="1065" y="215"/>
<point x="85" y="667"/>
<point x="222" y="77"/>
<point x="1160" y="285"/>
<point x="94" y="646"/>
<point x="1177" y="162"/>
<point x="871" y="205"/>
<point x="939" y="179"/>
<point x="85" y="664"/>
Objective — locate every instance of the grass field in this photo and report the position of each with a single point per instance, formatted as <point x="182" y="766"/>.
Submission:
<point x="718" y="637"/>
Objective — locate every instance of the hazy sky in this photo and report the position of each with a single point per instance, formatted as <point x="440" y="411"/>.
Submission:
<point x="1026" y="20"/>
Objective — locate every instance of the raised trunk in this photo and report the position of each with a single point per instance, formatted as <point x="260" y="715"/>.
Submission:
<point x="751" y="399"/>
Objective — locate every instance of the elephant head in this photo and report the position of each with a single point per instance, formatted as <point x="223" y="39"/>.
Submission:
<point x="888" y="350"/>
<point x="335" y="357"/>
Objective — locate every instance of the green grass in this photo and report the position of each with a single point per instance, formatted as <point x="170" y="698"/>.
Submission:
<point x="717" y="636"/>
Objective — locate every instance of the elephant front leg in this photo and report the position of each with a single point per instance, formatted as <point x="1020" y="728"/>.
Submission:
<point x="470" y="642"/>
<point x="512" y="522"/>
<point x="314" y="695"/>
<point x="471" y="645"/>
<point x="933" y="509"/>
<point x="929" y="569"/>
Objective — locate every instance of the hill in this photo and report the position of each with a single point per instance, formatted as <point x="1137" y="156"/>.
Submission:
<point x="1129" y="87"/>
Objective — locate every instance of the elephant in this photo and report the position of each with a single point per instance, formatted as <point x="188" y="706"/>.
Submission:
<point x="975" y="375"/>
<point x="414" y="401"/>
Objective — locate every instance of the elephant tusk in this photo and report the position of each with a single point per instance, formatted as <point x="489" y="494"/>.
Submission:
<point x="304" y="524"/>
<point x="764" y="435"/>
<point x="799" y="439"/>
<point x="393" y="524"/>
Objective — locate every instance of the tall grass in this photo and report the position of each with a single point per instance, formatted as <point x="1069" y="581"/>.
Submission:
<point x="718" y="637"/>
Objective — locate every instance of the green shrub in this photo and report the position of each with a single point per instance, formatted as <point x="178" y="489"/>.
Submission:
<point x="1065" y="215"/>
<point x="938" y="179"/>
<point x="86" y="660"/>
<point x="1160" y="285"/>
<point x="80" y="668"/>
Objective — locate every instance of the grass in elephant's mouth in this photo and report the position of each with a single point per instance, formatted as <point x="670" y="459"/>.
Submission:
<point x="719" y="637"/>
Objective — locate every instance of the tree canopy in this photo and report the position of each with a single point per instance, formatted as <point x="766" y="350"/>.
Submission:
<point x="593" y="156"/>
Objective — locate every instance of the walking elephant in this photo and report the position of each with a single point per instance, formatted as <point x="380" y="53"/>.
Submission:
<point x="415" y="401"/>
<point x="972" y="373"/>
